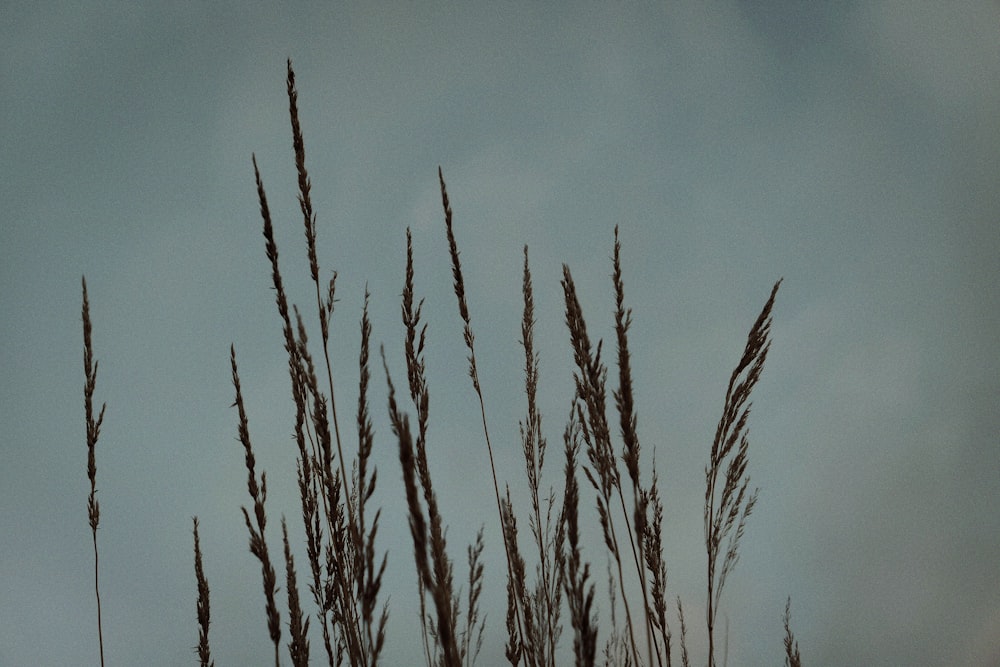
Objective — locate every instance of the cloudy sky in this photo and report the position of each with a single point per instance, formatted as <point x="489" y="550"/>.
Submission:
<point x="853" y="150"/>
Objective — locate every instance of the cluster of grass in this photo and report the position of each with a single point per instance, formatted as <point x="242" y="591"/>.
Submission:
<point x="550" y="587"/>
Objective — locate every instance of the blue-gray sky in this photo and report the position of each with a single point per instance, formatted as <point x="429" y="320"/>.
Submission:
<point x="851" y="148"/>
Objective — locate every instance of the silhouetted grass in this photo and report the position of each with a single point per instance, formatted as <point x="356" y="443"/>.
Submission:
<point x="549" y="579"/>
<point x="93" y="433"/>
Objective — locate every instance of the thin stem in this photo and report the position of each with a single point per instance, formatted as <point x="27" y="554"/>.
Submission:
<point x="97" y="592"/>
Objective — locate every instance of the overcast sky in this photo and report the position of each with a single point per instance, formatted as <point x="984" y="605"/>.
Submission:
<point x="851" y="148"/>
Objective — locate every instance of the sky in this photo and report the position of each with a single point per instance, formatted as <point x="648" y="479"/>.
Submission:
<point x="852" y="149"/>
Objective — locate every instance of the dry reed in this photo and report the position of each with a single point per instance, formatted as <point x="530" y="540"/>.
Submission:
<point x="204" y="606"/>
<point x="340" y="536"/>
<point x="538" y="605"/>
<point x="792" y="656"/>
<point x="93" y="433"/>
<point x="258" y="493"/>
<point x="728" y="503"/>
<point x="470" y="343"/>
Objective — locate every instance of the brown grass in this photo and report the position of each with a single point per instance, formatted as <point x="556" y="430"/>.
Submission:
<point x="792" y="656"/>
<point x="204" y="604"/>
<point x="728" y="503"/>
<point x="507" y="530"/>
<point x="258" y="542"/>
<point x="549" y="578"/>
<point x="93" y="433"/>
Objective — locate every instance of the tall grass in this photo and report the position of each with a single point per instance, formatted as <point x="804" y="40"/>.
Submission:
<point x="93" y="433"/>
<point x="551" y="587"/>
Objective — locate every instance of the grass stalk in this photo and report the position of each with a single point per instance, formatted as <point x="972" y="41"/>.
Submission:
<point x="443" y="632"/>
<point x="628" y="420"/>
<point x="603" y="474"/>
<point x="792" y="656"/>
<point x="574" y="573"/>
<point x="472" y="635"/>
<point x="429" y="545"/>
<point x="298" y="625"/>
<point x="345" y="581"/>
<point x="469" y="337"/>
<point x="93" y="433"/>
<point x="323" y="306"/>
<point x="204" y="606"/>
<point x="539" y="605"/>
<point x="368" y="578"/>
<point x="684" y="650"/>
<point x="728" y="503"/>
<point x="258" y="493"/>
